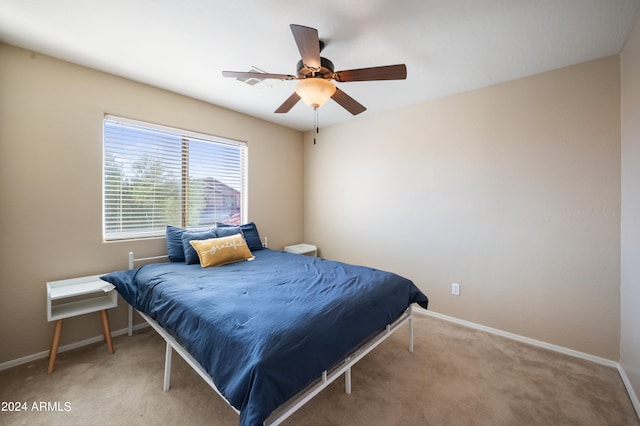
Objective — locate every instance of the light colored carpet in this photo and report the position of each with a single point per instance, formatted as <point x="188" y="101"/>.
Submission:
<point x="456" y="376"/>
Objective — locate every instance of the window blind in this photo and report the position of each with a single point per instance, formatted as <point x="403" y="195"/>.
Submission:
<point x="156" y="175"/>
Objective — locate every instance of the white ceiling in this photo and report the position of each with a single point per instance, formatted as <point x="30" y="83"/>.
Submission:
<point x="449" y="46"/>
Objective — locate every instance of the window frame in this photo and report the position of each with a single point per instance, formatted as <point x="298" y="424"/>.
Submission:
<point x="186" y="137"/>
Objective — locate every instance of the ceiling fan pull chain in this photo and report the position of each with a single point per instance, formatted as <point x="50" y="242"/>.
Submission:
<point x="315" y="124"/>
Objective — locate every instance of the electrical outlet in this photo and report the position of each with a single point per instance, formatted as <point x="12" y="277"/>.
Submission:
<point x="455" y="289"/>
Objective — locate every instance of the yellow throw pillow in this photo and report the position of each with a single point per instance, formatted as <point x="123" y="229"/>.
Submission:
<point x="220" y="251"/>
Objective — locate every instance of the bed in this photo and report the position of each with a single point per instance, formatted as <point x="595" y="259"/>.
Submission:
<point x="269" y="332"/>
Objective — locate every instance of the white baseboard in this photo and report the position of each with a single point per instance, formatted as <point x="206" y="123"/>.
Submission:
<point x="630" y="391"/>
<point x="519" y="338"/>
<point x="70" y="346"/>
<point x="539" y="343"/>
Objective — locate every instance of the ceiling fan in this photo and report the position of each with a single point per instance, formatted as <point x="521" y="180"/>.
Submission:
<point x="315" y="73"/>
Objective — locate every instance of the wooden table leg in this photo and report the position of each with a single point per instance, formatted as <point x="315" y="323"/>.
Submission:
<point x="106" y="330"/>
<point x="53" y="352"/>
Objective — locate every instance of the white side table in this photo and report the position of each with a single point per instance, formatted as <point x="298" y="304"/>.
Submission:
<point x="85" y="295"/>
<point x="304" y="249"/>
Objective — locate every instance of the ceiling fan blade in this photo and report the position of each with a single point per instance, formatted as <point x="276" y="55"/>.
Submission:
<point x="308" y="45"/>
<point x="288" y="104"/>
<point x="347" y="102"/>
<point x="388" y="72"/>
<point x="257" y="75"/>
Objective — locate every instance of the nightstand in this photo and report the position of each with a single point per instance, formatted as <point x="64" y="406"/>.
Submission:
<point x="304" y="249"/>
<point x="78" y="296"/>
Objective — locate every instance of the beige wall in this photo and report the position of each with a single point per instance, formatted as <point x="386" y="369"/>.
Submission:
<point x="630" y="253"/>
<point x="512" y="191"/>
<point x="50" y="183"/>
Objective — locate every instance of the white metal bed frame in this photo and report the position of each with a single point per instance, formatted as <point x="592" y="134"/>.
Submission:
<point x="297" y="401"/>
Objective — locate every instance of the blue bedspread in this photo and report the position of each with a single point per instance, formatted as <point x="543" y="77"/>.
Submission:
<point x="265" y="329"/>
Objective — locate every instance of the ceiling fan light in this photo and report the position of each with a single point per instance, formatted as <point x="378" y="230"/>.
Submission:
<point x="315" y="91"/>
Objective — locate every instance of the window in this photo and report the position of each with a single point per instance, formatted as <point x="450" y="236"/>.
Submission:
<point x="155" y="176"/>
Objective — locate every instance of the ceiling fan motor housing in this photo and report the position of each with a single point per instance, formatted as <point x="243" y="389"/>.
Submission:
<point x="325" y="71"/>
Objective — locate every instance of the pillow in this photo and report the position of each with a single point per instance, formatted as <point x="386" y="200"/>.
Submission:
<point x="227" y="231"/>
<point x="250" y="232"/>
<point x="175" y="249"/>
<point x="220" y="251"/>
<point x="190" y="255"/>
